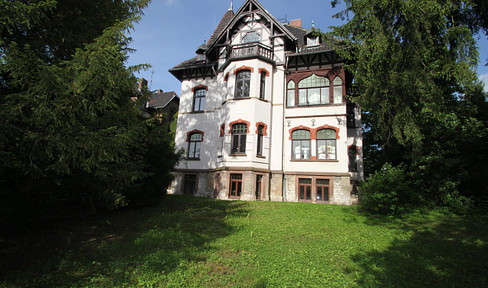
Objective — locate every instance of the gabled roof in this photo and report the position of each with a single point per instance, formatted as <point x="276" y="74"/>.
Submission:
<point x="240" y="13"/>
<point x="161" y="100"/>
<point x="223" y="23"/>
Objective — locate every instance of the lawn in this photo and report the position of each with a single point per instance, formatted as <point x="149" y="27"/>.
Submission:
<point x="198" y="242"/>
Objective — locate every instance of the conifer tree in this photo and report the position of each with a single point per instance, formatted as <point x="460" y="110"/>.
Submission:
<point x="70" y="133"/>
<point x="414" y="62"/>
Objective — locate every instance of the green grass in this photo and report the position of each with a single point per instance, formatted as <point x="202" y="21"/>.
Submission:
<point x="195" y="242"/>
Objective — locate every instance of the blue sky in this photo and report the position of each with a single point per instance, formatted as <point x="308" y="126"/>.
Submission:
<point x="171" y="31"/>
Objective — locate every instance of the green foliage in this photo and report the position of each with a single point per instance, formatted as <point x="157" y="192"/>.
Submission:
<point x="414" y="63"/>
<point x="70" y="134"/>
<point x="388" y="191"/>
<point x="201" y="242"/>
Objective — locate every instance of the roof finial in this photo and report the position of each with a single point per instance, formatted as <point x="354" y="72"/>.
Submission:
<point x="231" y="8"/>
<point x="313" y="23"/>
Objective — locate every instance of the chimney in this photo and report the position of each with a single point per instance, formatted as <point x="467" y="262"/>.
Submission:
<point x="159" y="91"/>
<point x="141" y="84"/>
<point x="296" y="23"/>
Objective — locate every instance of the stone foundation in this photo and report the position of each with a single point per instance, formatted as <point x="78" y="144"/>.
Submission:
<point x="215" y="184"/>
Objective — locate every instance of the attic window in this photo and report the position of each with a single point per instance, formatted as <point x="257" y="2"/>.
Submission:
<point x="251" y="37"/>
<point x="312" y="41"/>
<point x="201" y="57"/>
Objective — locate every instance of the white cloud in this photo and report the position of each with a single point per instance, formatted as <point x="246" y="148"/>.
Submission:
<point x="484" y="78"/>
<point x="170" y="2"/>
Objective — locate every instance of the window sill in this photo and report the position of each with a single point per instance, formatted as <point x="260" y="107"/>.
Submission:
<point x="261" y="156"/>
<point x="316" y="105"/>
<point x="197" y="112"/>
<point x="238" y="154"/>
<point x="313" y="160"/>
<point x="192" y="159"/>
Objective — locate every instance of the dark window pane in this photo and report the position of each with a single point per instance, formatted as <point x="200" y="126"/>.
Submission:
<point x="242" y="147"/>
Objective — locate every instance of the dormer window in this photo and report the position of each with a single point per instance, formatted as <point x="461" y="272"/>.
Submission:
<point x="201" y="57"/>
<point x="201" y="51"/>
<point x="312" y="41"/>
<point x="251" y="37"/>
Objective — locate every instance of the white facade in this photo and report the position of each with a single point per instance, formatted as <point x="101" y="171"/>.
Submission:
<point x="248" y="142"/>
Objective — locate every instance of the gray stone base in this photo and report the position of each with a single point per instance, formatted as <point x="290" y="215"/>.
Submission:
<point x="215" y="184"/>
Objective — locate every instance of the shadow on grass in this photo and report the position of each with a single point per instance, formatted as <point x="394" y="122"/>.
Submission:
<point x="442" y="251"/>
<point x="120" y="248"/>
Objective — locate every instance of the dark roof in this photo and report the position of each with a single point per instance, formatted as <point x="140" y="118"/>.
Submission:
<point x="301" y="34"/>
<point x="223" y="23"/>
<point x="160" y="100"/>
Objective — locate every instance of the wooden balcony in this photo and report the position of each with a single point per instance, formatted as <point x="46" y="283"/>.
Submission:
<point x="250" y="50"/>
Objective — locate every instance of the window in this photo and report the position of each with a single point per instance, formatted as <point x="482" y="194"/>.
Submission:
<point x="235" y="185"/>
<point x="259" y="188"/>
<point x="243" y="80"/>
<point x="300" y="144"/>
<point x="291" y="94"/>
<point x="337" y="90"/>
<point x="313" y="90"/>
<point x="326" y="144"/>
<point x="305" y="189"/>
<point x="201" y="57"/>
<point x="260" y="140"/>
<point x="239" y="132"/>
<point x="189" y="184"/>
<point x="312" y="41"/>
<point x="251" y="37"/>
<point x="262" y="86"/>
<point x="351" y="117"/>
<point x="352" y="153"/>
<point x="322" y="188"/>
<point x="194" y="146"/>
<point x="199" y="100"/>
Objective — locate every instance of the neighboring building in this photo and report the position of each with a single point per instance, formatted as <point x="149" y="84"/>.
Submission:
<point x="264" y="115"/>
<point x="163" y="102"/>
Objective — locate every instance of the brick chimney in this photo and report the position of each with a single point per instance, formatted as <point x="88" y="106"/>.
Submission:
<point x="296" y="23"/>
<point x="159" y="91"/>
<point x="141" y="84"/>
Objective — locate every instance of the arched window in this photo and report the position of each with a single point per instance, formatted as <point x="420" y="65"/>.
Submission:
<point x="326" y="144"/>
<point x="243" y="83"/>
<point x="291" y="94"/>
<point x="313" y="90"/>
<point x="194" y="143"/>
<point x="337" y="90"/>
<point x="199" y="99"/>
<point x="300" y="144"/>
<point x="260" y="140"/>
<point x="239" y="132"/>
<point x="352" y="152"/>
<point x="262" y="85"/>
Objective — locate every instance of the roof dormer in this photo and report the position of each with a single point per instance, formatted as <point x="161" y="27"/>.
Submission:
<point x="312" y="37"/>
<point x="201" y="51"/>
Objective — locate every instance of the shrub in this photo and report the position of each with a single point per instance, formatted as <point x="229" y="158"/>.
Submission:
<point x="387" y="191"/>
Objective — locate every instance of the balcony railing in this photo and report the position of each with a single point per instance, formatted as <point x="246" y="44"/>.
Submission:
<point x="251" y="50"/>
